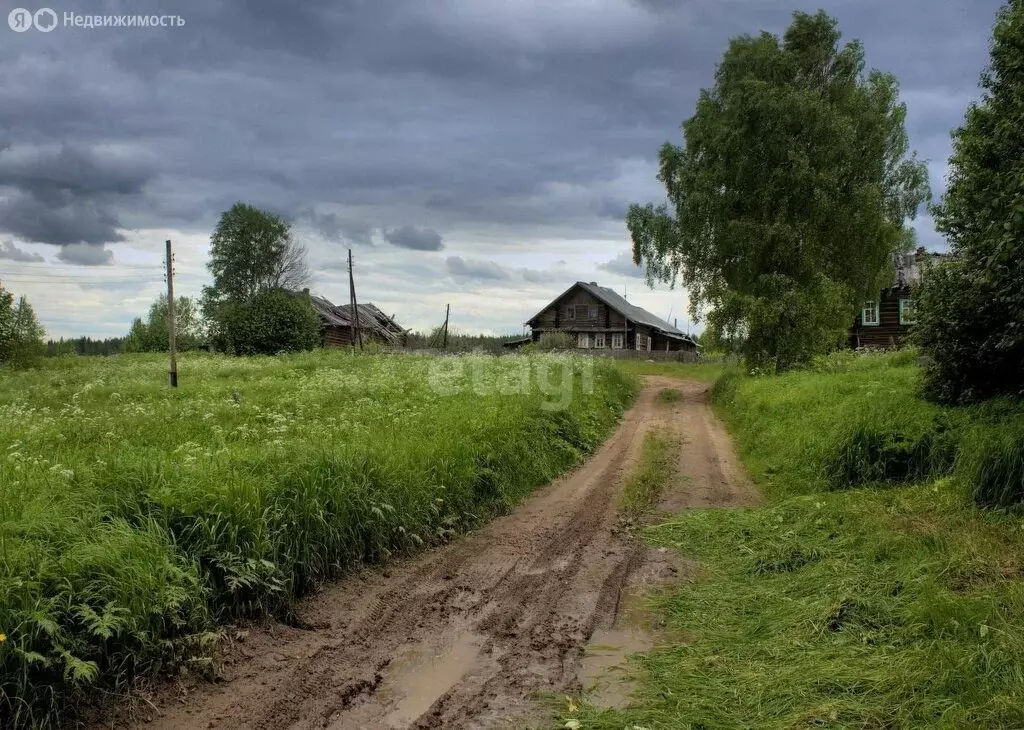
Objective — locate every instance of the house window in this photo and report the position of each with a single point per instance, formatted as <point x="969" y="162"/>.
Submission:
<point x="869" y="315"/>
<point x="584" y="340"/>
<point x="599" y="340"/>
<point x="617" y="341"/>
<point x="572" y="313"/>
<point x="907" y="315"/>
<point x="592" y="314"/>
<point x="639" y="341"/>
<point x="648" y="344"/>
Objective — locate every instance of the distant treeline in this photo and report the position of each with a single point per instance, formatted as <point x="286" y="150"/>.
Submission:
<point x="457" y="341"/>
<point x="85" y="346"/>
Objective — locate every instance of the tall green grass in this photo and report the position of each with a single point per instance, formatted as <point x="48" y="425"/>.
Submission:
<point x="133" y="517"/>
<point x="871" y="592"/>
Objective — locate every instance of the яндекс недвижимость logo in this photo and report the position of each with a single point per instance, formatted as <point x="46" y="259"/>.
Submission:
<point x="44" y="20"/>
<point x="21" y="20"/>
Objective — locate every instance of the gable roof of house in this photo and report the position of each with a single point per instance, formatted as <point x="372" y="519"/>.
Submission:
<point x="630" y="311"/>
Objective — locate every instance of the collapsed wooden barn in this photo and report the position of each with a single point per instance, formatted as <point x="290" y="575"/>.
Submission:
<point x="371" y="323"/>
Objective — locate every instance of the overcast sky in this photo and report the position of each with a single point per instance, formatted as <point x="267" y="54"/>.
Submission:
<point x="474" y="152"/>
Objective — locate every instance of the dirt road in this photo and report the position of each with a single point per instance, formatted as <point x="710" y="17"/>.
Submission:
<point x="462" y="636"/>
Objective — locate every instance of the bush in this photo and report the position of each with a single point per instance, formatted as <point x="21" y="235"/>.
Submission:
<point x="273" y="321"/>
<point x="969" y="311"/>
<point x="556" y="341"/>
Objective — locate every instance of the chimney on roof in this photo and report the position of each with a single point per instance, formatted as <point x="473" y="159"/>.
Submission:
<point x="593" y="283"/>
<point x="306" y="291"/>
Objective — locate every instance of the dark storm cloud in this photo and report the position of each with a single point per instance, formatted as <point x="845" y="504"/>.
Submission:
<point x="418" y="239"/>
<point x="62" y="221"/>
<point x="533" y="119"/>
<point x="10" y="252"/>
<point x="67" y="194"/>
<point x="84" y="254"/>
<point x="623" y="266"/>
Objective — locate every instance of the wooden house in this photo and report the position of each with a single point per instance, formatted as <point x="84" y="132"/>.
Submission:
<point x="371" y="322"/>
<point x="887" y="320"/>
<point x="600" y="319"/>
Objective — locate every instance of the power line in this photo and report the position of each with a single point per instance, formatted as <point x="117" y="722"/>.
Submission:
<point x="47" y="265"/>
<point x="44" y="278"/>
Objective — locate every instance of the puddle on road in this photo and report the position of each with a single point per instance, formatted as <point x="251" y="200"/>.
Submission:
<point x="604" y="672"/>
<point x="421" y="677"/>
<point x="413" y="681"/>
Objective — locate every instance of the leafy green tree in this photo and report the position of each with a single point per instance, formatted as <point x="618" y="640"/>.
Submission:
<point x="970" y="311"/>
<point x="153" y="334"/>
<point x="272" y="321"/>
<point x="789" y="196"/>
<point x="252" y="252"/>
<point x="21" y="336"/>
<point x="138" y="337"/>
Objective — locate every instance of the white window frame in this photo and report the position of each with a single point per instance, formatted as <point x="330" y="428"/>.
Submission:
<point x="617" y="341"/>
<point x="638" y="342"/>
<point x="650" y="342"/>
<point x="903" y="308"/>
<point x="599" y="341"/>
<point x="583" y="340"/>
<point x="864" y="314"/>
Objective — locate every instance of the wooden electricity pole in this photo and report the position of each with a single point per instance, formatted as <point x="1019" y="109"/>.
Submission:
<point x="170" y="316"/>
<point x="447" y="311"/>
<point x="355" y="305"/>
<point x="351" y="304"/>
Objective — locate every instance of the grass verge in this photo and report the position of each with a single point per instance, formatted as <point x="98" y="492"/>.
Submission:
<point x="134" y="518"/>
<point x="867" y="607"/>
<point x="670" y="395"/>
<point x="654" y="471"/>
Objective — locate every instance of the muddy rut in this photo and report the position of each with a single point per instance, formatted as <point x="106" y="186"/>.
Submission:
<point x="465" y="635"/>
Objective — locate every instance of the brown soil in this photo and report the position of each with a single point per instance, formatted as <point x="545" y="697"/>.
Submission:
<point x="463" y="636"/>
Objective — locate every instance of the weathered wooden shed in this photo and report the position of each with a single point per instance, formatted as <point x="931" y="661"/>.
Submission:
<point x="371" y="322"/>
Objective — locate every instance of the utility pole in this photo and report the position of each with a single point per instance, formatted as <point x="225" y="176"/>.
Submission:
<point x="355" y="305"/>
<point x="447" y="311"/>
<point x="170" y="316"/>
<point x="351" y="304"/>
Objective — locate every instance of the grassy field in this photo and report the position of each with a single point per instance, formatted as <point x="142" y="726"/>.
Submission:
<point x="134" y="518"/>
<point x="871" y="591"/>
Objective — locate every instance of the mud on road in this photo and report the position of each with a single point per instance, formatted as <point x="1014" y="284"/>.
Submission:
<point x="464" y="635"/>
